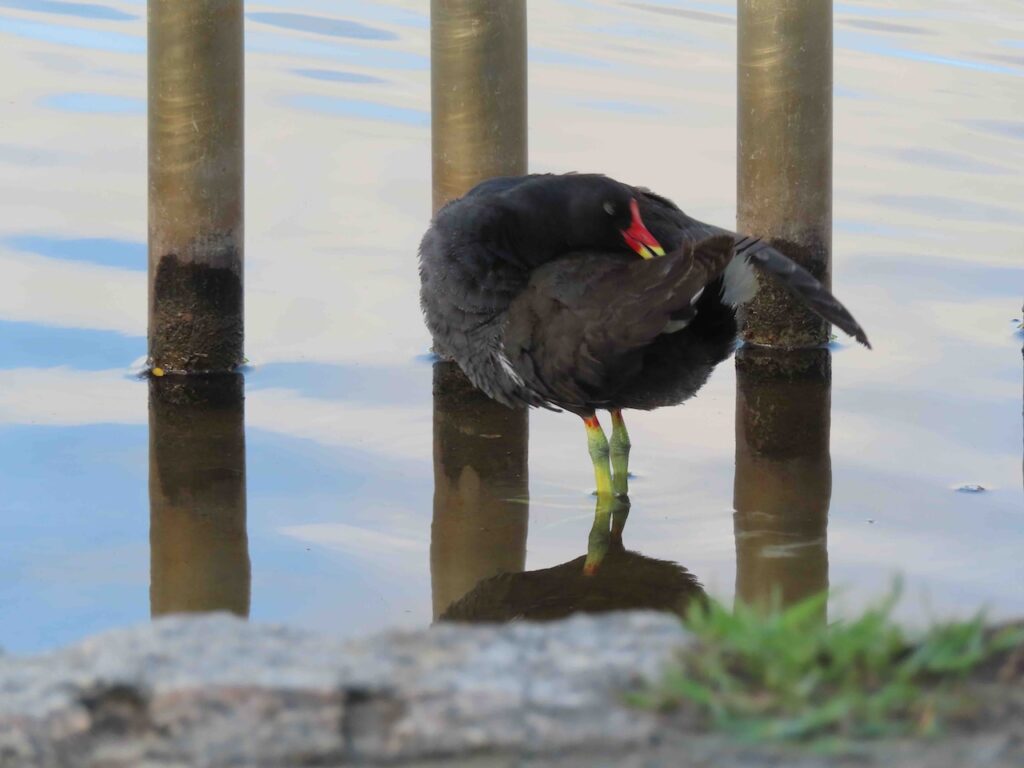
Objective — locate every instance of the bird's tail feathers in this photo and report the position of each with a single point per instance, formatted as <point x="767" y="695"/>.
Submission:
<point x="797" y="281"/>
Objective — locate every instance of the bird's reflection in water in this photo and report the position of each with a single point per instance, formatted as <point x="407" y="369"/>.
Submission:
<point x="481" y="512"/>
<point x="608" y="578"/>
<point x="199" y="550"/>
<point x="481" y="488"/>
<point x="783" y="474"/>
<point x="782" y="492"/>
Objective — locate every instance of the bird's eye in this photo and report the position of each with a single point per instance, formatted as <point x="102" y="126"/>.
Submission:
<point x="609" y="208"/>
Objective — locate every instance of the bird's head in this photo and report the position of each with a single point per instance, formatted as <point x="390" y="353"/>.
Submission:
<point x="604" y="212"/>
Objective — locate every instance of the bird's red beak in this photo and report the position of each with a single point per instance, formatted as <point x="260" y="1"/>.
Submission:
<point x="639" y="238"/>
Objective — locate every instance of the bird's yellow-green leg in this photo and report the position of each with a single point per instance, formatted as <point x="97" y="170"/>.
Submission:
<point x="600" y="536"/>
<point x="620" y="511"/>
<point x="609" y="509"/>
<point x="619" y="449"/>
<point x="597" y="443"/>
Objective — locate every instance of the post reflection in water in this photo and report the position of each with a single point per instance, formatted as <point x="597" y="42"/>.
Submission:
<point x="199" y="549"/>
<point x="481" y="488"/>
<point x="478" y="130"/>
<point x="783" y="479"/>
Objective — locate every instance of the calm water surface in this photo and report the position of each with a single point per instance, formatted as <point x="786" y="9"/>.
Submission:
<point x="329" y="520"/>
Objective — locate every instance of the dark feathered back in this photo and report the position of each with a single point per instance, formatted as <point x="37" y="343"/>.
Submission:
<point x="576" y="334"/>
<point x="528" y="284"/>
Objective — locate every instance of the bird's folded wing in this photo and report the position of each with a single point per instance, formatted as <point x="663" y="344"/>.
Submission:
<point x="583" y="321"/>
<point x="673" y="227"/>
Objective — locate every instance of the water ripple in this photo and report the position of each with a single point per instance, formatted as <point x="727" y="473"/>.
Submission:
<point x="95" y="103"/>
<point x="74" y="37"/>
<point x="333" y="76"/>
<point x="81" y="10"/>
<point x="122" y="254"/>
<point x="368" y="110"/>
<point x="321" y="25"/>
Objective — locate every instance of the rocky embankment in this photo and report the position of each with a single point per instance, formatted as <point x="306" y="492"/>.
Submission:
<point x="218" y="691"/>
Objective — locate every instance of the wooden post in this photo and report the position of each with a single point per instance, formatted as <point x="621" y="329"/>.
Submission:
<point x="199" y="550"/>
<point x="195" y="185"/>
<point x="784" y="182"/>
<point x="478" y="93"/>
<point x="481" y="490"/>
<point x="783" y="474"/>
<point x="784" y="194"/>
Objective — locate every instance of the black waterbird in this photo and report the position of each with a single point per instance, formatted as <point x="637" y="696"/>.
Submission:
<point x="579" y="292"/>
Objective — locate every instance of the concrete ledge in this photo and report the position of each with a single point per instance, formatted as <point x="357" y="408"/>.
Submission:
<point x="212" y="691"/>
<point x="217" y="691"/>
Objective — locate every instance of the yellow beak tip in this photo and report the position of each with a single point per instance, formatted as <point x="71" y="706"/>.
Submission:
<point x="651" y="251"/>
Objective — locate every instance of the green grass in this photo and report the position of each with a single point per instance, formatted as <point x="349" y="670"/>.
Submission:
<point x="784" y="674"/>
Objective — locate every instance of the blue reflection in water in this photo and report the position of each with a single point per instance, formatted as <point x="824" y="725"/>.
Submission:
<point x="728" y="18"/>
<point x="29" y="156"/>
<point x="73" y="553"/>
<point x="366" y="56"/>
<point x="565" y="58"/>
<point x="366" y="10"/>
<point x="871" y="44"/>
<point x="885" y="27"/>
<point x="939" y="278"/>
<point x="950" y="161"/>
<point x="322" y="25"/>
<point x="123" y="254"/>
<point x="843" y="92"/>
<point x="280" y="464"/>
<point x="349" y="383"/>
<point x="671" y="7"/>
<point x="872" y="227"/>
<point x="368" y="110"/>
<point x="334" y="76"/>
<point x="82" y="10"/>
<point x="95" y="103"/>
<point x="623" y="107"/>
<point x="892" y="13"/>
<point x="75" y="37"/>
<point x="949" y="208"/>
<point x="1008" y="128"/>
<point x="30" y="345"/>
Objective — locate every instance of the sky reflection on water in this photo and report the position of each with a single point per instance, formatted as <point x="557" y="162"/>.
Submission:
<point x="338" y="443"/>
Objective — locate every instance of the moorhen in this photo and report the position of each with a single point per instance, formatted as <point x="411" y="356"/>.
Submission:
<point x="579" y="292"/>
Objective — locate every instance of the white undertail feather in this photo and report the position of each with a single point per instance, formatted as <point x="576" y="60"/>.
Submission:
<point x="675" y="325"/>
<point x="507" y="367"/>
<point x="739" y="283"/>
